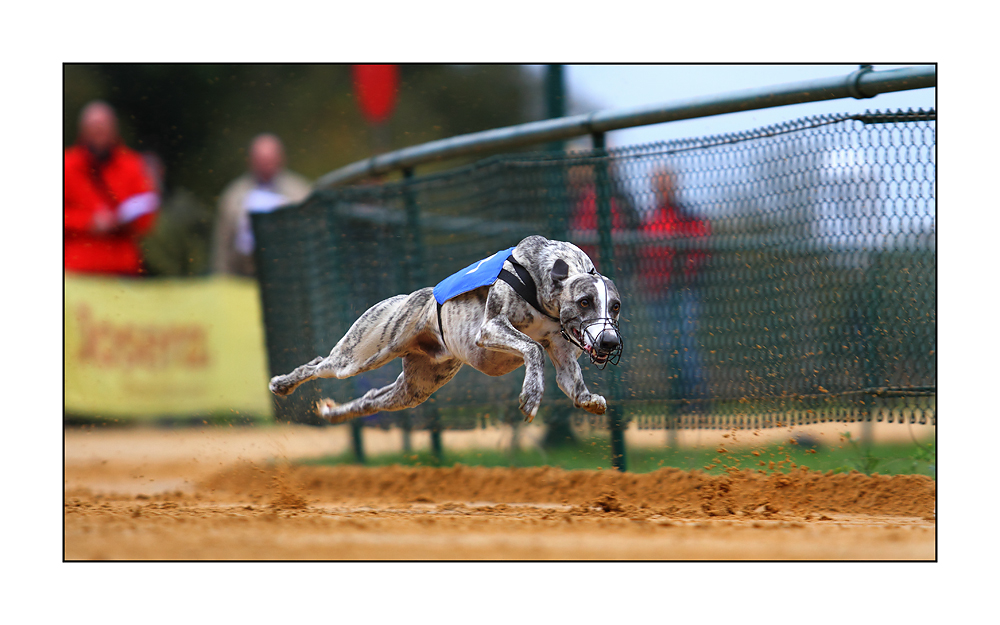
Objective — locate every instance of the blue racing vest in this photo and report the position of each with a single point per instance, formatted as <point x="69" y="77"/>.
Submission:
<point x="481" y="273"/>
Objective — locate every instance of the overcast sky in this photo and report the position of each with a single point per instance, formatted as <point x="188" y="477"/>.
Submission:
<point x="624" y="86"/>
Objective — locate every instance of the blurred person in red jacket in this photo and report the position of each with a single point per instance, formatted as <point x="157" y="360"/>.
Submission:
<point x="109" y="200"/>
<point x="666" y="266"/>
<point x="672" y="264"/>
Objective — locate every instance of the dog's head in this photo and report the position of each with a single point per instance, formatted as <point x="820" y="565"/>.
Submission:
<point x="569" y="287"/>
<point x="589" y="305"/>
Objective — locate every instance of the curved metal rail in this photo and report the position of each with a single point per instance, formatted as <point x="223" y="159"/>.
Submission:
<point x="859" y="84"/>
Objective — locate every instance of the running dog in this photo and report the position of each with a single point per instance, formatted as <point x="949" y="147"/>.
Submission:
<point x="495" y="315"/>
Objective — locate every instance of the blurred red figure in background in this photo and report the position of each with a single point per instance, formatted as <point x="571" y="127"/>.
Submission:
<point x="672" y="263"/>
<point x="109" y="201"/>
<point x="671" y="223"/>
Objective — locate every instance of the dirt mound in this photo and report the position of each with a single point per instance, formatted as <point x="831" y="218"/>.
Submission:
<point x="233" y="495"/>
<point x="668" y="492"/>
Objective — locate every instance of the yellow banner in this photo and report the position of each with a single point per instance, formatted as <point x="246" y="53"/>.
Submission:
<point x="156" y="347"/>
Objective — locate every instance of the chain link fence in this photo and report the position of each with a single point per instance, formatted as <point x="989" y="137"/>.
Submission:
<point x="780" y="276"/>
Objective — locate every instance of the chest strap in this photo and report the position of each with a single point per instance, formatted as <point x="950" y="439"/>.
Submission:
<point x="441" y="327"/>
<point x="524" y="286"/>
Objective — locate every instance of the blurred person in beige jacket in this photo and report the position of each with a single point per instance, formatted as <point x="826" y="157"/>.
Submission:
<point x="265" y="187"/>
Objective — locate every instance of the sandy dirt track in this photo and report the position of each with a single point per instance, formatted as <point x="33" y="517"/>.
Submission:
<point x="234" y="493"/>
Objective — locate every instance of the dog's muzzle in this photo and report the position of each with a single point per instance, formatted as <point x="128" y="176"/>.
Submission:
<point x="607" y="342"/>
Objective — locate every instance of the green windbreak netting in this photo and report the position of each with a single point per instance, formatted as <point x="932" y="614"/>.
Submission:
<point x="780" y="276"/>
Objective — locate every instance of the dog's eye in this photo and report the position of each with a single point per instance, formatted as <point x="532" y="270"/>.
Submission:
<point x="584" y="303"/>
<point x="615" y="307"/>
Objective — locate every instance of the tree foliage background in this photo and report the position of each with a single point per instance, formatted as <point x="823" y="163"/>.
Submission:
<point x="199" y="119"/>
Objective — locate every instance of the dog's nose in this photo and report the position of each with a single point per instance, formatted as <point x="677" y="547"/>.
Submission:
<point x="608" y="342"/>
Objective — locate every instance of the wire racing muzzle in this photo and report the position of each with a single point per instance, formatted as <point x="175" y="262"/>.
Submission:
<point x="607" y="341"/>
<point x="606" y="344"/>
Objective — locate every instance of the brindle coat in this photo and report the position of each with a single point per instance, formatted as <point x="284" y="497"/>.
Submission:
<point x="490" y="328"/>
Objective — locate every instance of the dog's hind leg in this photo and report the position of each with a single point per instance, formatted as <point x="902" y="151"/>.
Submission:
<point x="385" y="331"/>
<point x="421" y="376"/>
<point x="283" y="385"/>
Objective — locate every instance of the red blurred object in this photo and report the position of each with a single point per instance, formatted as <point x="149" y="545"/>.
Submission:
<point x="118" y="183"/>
<point x="376" y="87"/>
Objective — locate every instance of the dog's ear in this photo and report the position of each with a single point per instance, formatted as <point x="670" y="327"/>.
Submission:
<point x="560" y="271"/>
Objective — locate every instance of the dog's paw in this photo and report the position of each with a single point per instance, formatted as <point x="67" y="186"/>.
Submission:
<point x="593" y="403"/>
<point x="332" y="412"/>
<point x="325" y="408"/>
<point x="280" y="388"/>
<point x="529" y="405"/>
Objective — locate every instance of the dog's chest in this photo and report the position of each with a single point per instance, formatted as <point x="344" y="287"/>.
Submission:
<point x="536" y="327"/>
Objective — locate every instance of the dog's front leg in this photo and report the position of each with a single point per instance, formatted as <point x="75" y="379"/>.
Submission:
<point x="499" y="335"/>
<point x="569" y="377"/>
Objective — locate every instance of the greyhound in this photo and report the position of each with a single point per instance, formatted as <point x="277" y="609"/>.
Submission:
<point x="495" y="315"/>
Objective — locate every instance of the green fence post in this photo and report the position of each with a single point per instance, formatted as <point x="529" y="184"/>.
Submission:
<point x="357" y="441"/>
<point x="341" y="295"/>
<point x="558" y="427"/>
<point x="870" y="310"/>
<point x="415" y="266"/>
<point x="555" y="99"/>
<point x="404" y="284"/>
<point x="605" y="223"/>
